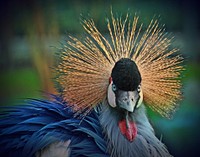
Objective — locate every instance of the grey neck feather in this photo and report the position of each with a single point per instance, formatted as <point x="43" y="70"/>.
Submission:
<point x="144" y="145"/>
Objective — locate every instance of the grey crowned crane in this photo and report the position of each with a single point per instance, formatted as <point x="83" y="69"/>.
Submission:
<point x="105" y="85"/>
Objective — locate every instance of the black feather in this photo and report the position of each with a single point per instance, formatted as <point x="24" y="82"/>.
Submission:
<point x="125" y="75"/>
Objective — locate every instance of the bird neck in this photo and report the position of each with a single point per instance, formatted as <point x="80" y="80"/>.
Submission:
<point x="143" y="145"/>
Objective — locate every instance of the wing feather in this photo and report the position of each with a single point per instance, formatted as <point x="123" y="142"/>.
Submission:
<point x="35" y="124"/>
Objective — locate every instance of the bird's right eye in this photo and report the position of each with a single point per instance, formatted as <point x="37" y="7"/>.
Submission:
<point x="139" y="88"/>
<point x="114" y="88"/>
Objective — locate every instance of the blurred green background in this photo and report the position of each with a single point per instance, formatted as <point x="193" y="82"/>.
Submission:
<point x="31" y="32"/>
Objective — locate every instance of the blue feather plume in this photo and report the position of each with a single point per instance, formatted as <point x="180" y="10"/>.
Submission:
<point x="30" y="127"/>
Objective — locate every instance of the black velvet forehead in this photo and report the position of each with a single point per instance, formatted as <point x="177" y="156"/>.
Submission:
<point x="125" y="75"/>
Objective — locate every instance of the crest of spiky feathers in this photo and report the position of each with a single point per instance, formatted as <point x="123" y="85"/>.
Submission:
<point x="86" y="65"/>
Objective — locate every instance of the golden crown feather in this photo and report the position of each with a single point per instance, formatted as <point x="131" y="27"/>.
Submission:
<point x="86" y="66"/>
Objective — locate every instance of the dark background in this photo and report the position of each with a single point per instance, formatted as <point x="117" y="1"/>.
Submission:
<point x="31" y="32"/>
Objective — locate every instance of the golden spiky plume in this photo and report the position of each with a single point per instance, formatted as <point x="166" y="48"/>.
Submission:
<point x="86" y="65"/>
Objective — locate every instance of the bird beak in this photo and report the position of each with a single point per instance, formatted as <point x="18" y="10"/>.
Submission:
<point x="127" y="100"/>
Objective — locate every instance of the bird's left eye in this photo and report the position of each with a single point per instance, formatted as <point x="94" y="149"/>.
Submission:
<point x="139" y="88"/>
<point x="114" y="88"/>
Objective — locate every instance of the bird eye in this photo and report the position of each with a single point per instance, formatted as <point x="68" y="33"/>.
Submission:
<point x="114" y="88"/>
<point x="139" y="88"/>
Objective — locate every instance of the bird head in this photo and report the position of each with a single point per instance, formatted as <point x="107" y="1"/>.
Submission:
<point x="124" y="90"/>
<point x="138" y="63"/>
<point x="125" y="94"/>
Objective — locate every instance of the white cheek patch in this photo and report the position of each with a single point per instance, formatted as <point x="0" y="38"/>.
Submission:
<point x="140" y="100"/>
<point x="111" y="96"/>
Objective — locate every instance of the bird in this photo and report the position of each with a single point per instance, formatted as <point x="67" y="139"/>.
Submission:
<point x="105" y="84"/>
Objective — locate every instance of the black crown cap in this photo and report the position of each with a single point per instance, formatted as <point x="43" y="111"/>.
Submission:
<point x="125" y="75"/>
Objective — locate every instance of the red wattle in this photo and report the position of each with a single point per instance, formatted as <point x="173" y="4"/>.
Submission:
<point x="129" y="132"/>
